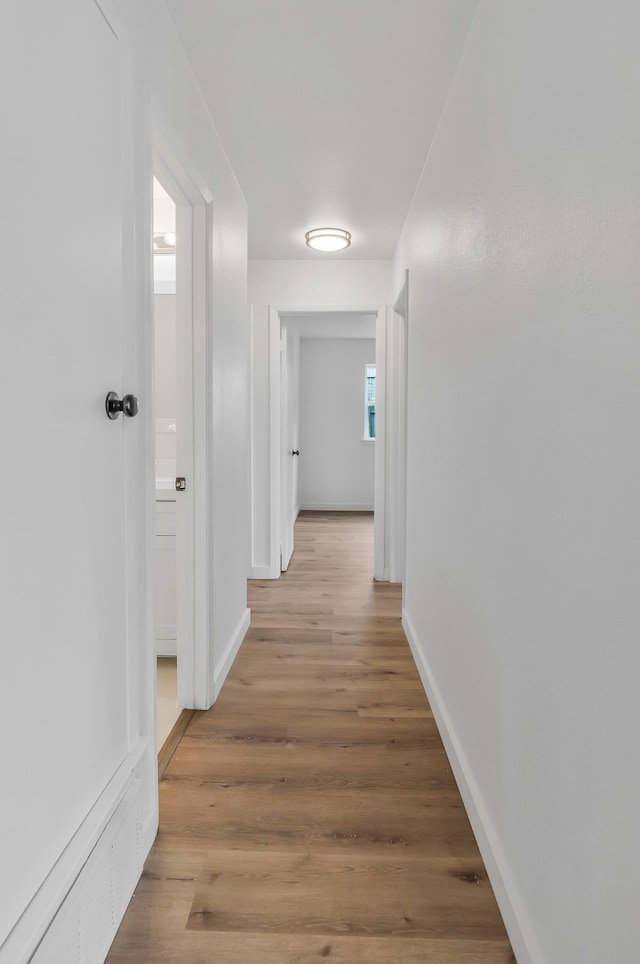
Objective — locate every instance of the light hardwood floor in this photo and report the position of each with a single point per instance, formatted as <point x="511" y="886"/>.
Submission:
<point x="311" y="815"/>
<point x="171" y="722"/>
<point x="167" y="711"/>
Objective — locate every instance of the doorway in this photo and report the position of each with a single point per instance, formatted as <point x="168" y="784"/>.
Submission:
<point x="181" y="282"/>
<point x="287" y="462"/>
<point x="165" y="434"/>
<point x="273" y="448"/>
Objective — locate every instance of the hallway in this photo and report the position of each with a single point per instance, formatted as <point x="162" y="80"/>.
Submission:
<point x="312" y="814"/>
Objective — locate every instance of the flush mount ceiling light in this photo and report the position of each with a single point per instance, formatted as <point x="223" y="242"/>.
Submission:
<point x="164" y="243"/>
<point x="328" y="239"/>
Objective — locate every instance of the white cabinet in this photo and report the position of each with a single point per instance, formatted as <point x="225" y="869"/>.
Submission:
<point x="165" y="574"/>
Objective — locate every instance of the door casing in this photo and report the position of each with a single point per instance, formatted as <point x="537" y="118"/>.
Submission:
<point x="194" y="227"/>
<point x="397" y="386"/>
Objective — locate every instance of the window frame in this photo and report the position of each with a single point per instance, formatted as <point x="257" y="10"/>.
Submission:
<point x="368" y="404"/>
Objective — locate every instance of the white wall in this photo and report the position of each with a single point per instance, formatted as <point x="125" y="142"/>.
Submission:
<point x="164" y="318"/>
<point x="164" y="273"/>
<point x="293" y="284"/>
<point x="336" y="464"/>
<point x="321" y="282"/>
<point x="523" y="547"/>
<point x="164" y="383"/>
<point x="38" y="885"/>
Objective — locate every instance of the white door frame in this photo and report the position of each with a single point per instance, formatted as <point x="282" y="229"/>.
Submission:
<point x="275" y="428"/>
<point x="286" y="535"/>
<point x="397" y="420"/>
<point x="194" y="230"/>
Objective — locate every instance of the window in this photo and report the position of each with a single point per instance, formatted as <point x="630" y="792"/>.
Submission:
<point x="370" y="403"/>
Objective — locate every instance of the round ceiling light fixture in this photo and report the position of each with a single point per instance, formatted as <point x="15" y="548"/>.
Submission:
<point x="328" y="239"/>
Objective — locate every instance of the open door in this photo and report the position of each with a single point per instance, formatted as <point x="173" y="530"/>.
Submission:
<point x="289" y="438"/>
<point x="289" y="455"/>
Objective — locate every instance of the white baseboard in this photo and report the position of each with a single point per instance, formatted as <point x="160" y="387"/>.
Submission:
<point x="78" y="909"/>
<point x="336" y="507"/>
<point x="513" y="914"/>
<point x="230" y="653"/>
<point x="264" y="572"/>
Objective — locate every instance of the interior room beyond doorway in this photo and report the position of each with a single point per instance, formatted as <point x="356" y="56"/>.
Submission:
<point x="327" y="456"/>
<point x="165" y="412"/>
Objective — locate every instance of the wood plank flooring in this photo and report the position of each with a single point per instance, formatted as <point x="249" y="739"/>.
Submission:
<point x="311" y="815"/>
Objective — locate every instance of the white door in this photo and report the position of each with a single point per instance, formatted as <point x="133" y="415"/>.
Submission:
<point x="63" y="565"/>
<point x="288" y="458"/>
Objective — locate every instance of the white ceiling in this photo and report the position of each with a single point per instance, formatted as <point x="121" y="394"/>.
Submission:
<point x="326" y="108"/>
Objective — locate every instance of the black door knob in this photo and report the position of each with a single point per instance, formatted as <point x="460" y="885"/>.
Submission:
<point x="296" y="452"/>
<point x="128" y="405"/>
